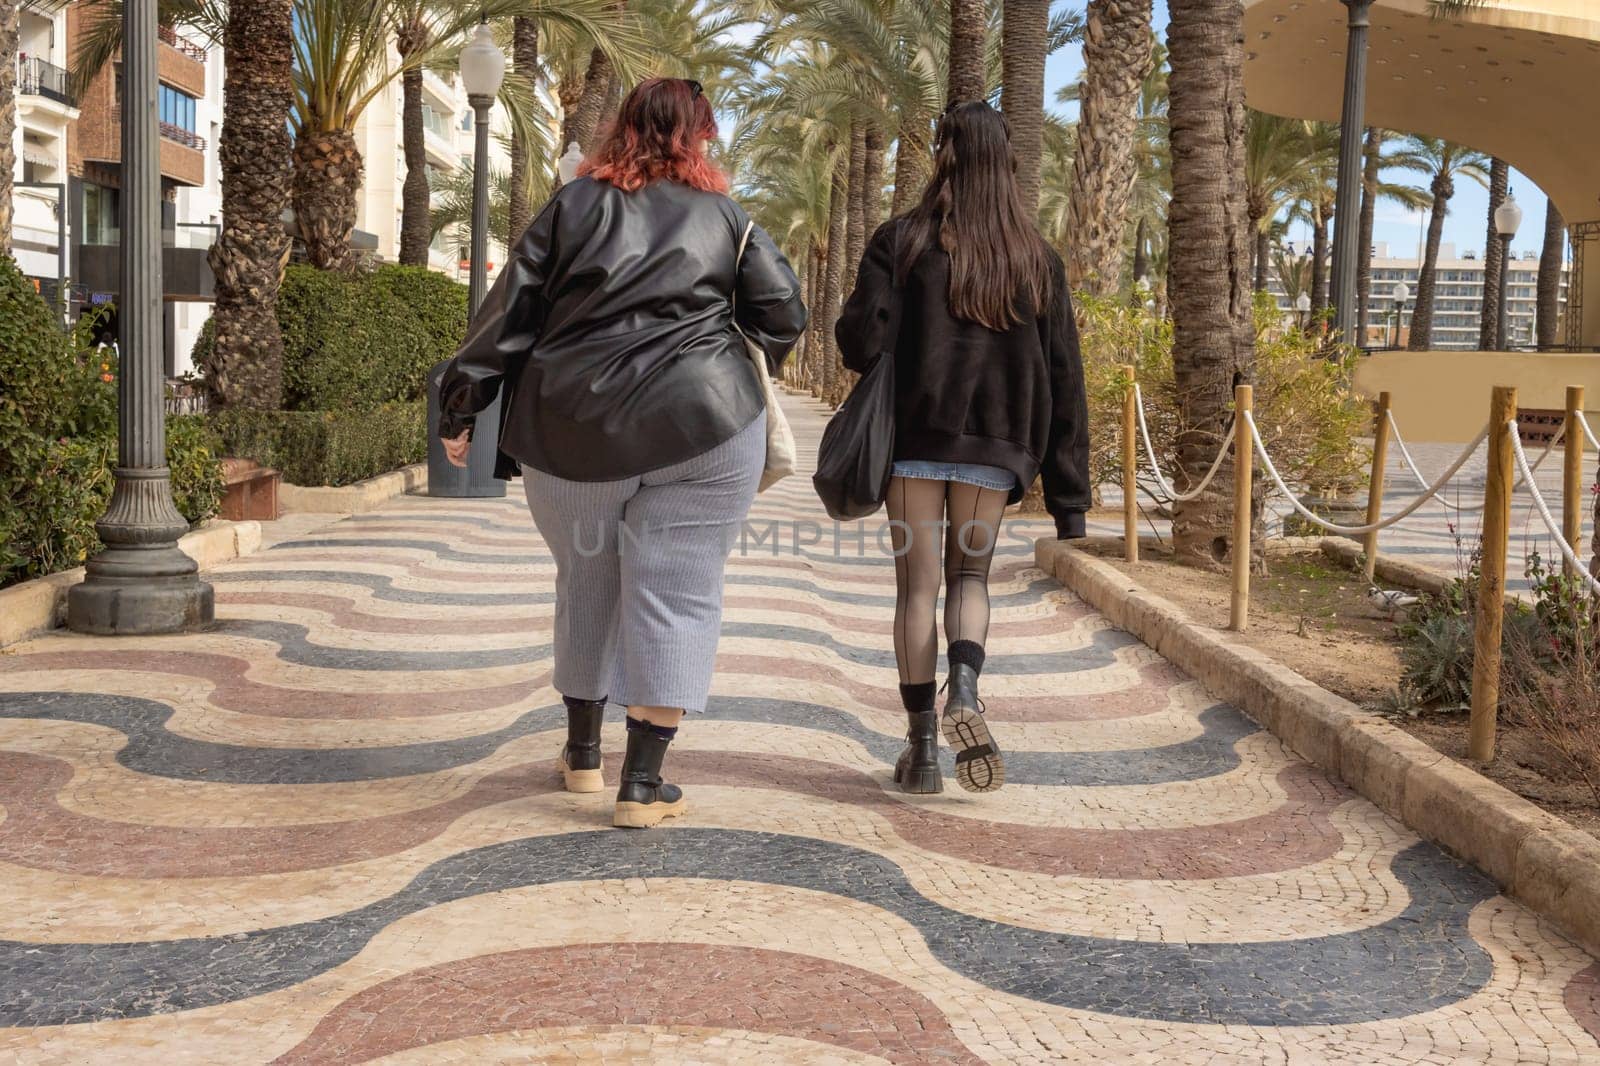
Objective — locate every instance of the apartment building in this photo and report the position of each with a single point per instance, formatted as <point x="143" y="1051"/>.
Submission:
<point x="45" y="111"/>
<point x="1458" y="298"/>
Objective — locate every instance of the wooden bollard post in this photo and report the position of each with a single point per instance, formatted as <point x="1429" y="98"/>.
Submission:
<point x="1380" y="459"/>
<point x="1572" y="498"/>
<point x="1243" y="469"/>
<point x="1130" y="469"/>
<point x="1492" y="578"/>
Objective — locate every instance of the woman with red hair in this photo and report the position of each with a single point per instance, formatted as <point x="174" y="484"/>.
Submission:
<point x="637" y="418"/>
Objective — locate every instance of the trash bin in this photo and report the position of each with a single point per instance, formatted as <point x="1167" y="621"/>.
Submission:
<point x="477" y="477"/>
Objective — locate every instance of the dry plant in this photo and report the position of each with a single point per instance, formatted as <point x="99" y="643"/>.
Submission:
<point x="1551" y="687"/>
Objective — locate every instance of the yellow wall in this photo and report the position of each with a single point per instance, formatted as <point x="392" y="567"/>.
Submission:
<point x="1444" y="396"/>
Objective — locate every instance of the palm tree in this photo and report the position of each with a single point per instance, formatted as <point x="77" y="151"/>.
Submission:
<point x="453" y="207"/>
<point x="1373" y="188"/>
<point x="524" y="68"/>
<point x="9" y="18"/>
<point x="1207" y="273"/>
<point x="1023" y="42"/>
<point x="245" y="364"/>
<point x="1445" y="162"/>
<point x="1117" y="61"/>
<point x="1552" y="260"/>
<point x="1276" y="155"/>
<point x="1493" y="258"/>
<point x="968" y="52"/>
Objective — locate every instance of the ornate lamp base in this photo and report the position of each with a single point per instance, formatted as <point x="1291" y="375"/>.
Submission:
<point x="142" y="582"/>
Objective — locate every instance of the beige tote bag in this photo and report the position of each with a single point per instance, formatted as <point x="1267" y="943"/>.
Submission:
<point x="780" y="438"/>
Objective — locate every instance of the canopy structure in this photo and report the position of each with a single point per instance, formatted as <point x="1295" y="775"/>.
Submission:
<point x="1513" y="78"/>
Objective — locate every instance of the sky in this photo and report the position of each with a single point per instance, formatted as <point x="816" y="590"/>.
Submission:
<point x="1399" y="228"/>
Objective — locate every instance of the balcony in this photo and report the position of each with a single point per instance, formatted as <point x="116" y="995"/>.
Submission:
<point x="169" y="37"/>
<point x="36" y="77"/>
<point x="187" y="138"/>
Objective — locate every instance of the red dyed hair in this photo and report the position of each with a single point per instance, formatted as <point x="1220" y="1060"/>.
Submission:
<point x="660" y="132"/>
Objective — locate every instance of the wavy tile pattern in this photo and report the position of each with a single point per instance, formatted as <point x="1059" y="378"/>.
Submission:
<point x="352" y="774"/>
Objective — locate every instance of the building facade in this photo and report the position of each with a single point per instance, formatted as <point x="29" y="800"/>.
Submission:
<point x="1458" y="299"/>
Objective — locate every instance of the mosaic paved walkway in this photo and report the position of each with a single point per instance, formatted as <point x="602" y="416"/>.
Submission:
<point x="329" y="831"/>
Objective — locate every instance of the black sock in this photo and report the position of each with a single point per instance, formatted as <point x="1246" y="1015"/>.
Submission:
<point x="575" y="704"/>
<point x="966" y="652"/>
<point x="917" y="697"/>
<point x="662" y="731"/>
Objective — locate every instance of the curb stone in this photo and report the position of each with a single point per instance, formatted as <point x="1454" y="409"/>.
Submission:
<point x="362" y="496"/>
<point x="1537" y="858"/>
<point x="37" y="606"/>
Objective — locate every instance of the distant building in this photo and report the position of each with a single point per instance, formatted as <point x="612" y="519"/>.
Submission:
<point x="1458" y="299"/>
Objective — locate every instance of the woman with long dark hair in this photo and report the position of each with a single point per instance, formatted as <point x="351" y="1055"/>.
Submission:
<point x="971" y="303"/>
<point x="637" y="417"/>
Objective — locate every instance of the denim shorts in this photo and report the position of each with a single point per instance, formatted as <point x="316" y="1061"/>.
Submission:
<point x="985" y="477"/>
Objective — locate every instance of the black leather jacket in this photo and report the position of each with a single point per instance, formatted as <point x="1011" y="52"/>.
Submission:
<point x="611" y="329"/>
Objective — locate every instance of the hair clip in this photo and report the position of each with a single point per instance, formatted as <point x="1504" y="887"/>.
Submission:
<point x="694" y="86"/>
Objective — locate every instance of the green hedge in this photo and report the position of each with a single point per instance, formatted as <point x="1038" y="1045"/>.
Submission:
<point x="358" y="340"/>
<point x="327" y="447"/>
<point x="58" y="428"/>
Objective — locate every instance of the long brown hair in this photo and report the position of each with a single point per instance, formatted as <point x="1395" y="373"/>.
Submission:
<point x="1000" y="269"/>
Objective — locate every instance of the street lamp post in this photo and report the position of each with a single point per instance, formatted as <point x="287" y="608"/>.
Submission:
<point x="1347" y="196"/>
<point x="483" y="67"/>
<point x="1507" y="217"/>
<point x="1302" y="304"/>
<point x="141" y="582"/>
<point x="1402" y="293"/>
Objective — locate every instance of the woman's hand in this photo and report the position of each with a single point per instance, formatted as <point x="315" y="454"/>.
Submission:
<point x="456" y="448"/>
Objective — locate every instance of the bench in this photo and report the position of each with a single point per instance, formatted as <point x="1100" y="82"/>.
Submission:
<point x="250" y="491"/>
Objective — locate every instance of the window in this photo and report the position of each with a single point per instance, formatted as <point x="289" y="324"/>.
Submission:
<point x="100" y="214"/>
<point x="177" y="109"/>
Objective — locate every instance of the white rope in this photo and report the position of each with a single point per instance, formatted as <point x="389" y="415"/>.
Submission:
<point x="1587" y="432"/>
<point x="1567" y="551"/>
<point x="1166" y="487"/>
<point x="1465" y="508"/>
<point x="1309" y="515"/>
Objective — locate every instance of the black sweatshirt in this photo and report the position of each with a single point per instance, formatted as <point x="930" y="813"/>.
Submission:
<point x="965" y="393"/>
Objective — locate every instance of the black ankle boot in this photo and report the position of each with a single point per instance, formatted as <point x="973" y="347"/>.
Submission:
<point x="917" y="769"/>
<point x="644" y="799"/>
<point x="979" y="767"/>
<point x="580" y="762"/>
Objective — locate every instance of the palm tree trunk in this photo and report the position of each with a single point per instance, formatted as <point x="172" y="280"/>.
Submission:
<point x="912" y="163"/>
<point x="833" y="277"/>
<point x="245" y="364"/>
<point x="1263" y="256"/>
<point x="1319" y="260"/>
<point x="1552" y="259"/>
<point x="9" y="20"/>
<point x="1208" y="285"/>
<point x="872" y="180"/>
<point x="584" y="118"/>
<point x="1422" y="314"/>
<point x="1373" y="149"/>
<point x="856" y="221"/>
<point x="1025" y="27"/>
<point x="415" y="230"/>
<point x="969" y="37"/>
<point x="1141" y="258"/>
<point x="327" y="178"/>
<point x="524" y="65"/>
<point x="1116" y="55"/>
<point x="1493" y="257"/>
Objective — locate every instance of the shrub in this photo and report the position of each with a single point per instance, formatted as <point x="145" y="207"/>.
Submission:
<point x="1307" y="408"/>
<point x="361" y="339"/>
<point x="327" y="447"/>
<point x="58" y="414"/>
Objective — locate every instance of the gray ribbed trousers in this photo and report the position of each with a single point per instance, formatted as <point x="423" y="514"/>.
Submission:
<point x="639" y="568"/>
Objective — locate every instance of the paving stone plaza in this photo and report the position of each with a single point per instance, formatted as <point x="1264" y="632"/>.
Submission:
<point x="331" y="830"/>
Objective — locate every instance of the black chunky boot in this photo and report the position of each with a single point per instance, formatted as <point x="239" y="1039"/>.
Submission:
<point x="580" y="763"/>
<point x="644" y="799"/>
<point x="917" y="769"/>
<point x="979" y="767"/>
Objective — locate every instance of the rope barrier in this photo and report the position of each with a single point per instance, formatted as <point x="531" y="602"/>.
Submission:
<point x="1429" y="492"/>
<point x="1464" y="508"/>
<point x="1587" y="432"/>
<point x="1567" y="551"/>
<point x="1166" y="487"/>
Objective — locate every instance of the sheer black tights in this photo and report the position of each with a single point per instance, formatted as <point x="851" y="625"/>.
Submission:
<point x="940" y="525"/>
